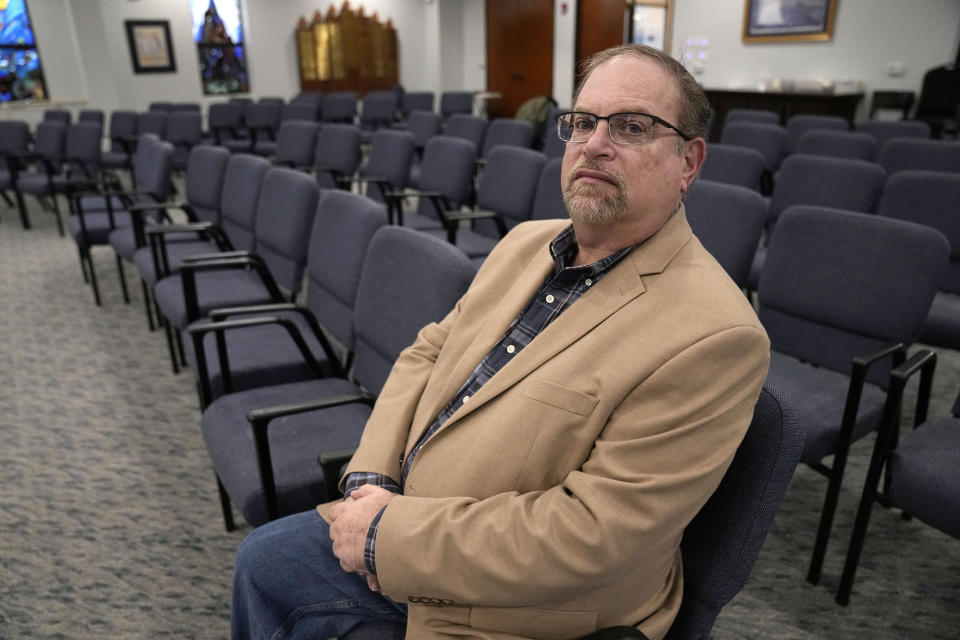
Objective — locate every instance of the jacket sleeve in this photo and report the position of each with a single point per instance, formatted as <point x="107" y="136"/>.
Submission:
<point x="385" y="434"/>
<point x="661" y="454"/>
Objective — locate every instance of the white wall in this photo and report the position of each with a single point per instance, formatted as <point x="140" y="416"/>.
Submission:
<point x="474" y="46"/>
<point x="564" y="51"/>
<point x="919" y="34"/>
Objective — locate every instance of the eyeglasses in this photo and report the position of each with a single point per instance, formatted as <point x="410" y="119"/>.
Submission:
<point x="625" y="128"/>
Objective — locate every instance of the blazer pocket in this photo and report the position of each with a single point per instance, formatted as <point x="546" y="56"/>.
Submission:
<point x="560" y="397"/>
<point x="528" y="622"/>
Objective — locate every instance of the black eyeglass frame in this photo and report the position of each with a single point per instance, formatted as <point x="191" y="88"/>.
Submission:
<point x="656" y="120"/>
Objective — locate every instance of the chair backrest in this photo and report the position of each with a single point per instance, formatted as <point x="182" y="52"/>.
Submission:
<point x="509" y="184"/>
<point x="14" y="135"/>
<point x="239" y="197"/>
<point x="452" y="102"/>
<point x="49" y="137"/>
<point x="898" y="154"/>
<point x="122" y="124"/>
<point x="91" y="115"/>
<point x="838" y="144"/>
<point x="344" y="225"/>
<point x="296" y="142"/>
<point x="153" y="166"/>
<point x="154" y="122"/>
<point x="82" y="147"/>
<point x="389" y="158"/>
<point x="423" y="125"/>
<point x="837" y="284"/>
<point x="302" y="110"/>
<point x="447" y="167"/>
<point x="853" y="185"/>
<point x="761" y="116"/>
<point x="468" y="127"/>
<point x="505" y="131"/>
<point x="163" y="107"/>
<point x="190" y="107"/>
<point x="310" y="97"/>
<point x="416" y="101"/>
<point x="272" y="100"/>
<point x="409" y="280"/>
<point x="223" y="120"/>
<point x="799" y="124"/>
<point x="57" y="115"/>
<point x="379" y="109"/>
<point x="285" y="211"/>
<point x="931" y="198"/>
<point x="263" y="117"/>
<point x="728" y="220"/>
<point x="883" y="130"/>
<point x="769" y="139"/>
<point x="721" y="543"/>
<point x="337" y="149"/>
<point x="548" y="202"/>
<point x="550" y="142"/>
<point x="184" y="128"/>
<point x="731" y="164"/>
<point x="339" y="107"/>
<point x="206" y="166"/>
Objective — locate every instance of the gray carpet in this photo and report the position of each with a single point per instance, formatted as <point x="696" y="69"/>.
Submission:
<point x="110" y="525"/>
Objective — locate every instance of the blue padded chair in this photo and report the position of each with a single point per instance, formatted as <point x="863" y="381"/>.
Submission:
<point x="769" y="139"/>
<point x="728" y="220"/>
<point x="446" y="181"/>
<point x="855" y="145"/>
<point x="758" y="116"/>
<point x="162" y="107"/>
<point x="295" y="145"/>
<point x="722" y="542"/>
<point x="272" y="100"/>
<point x="337" y="155"/>
<point x="264" y="351"/>
<point x="932" y="198"/>
<point x="46" y="157"/>
<point x="261" y="120"/>
<point x="269" y="468"/>
<point x="416" y="101"/>
<point x="923" y="468"/>
<point x="224" y="121"/>
<point x="504" y="199"/>
<point x="184" y="131"/>
<point x="423" y="125"/>
<point x="301" y="110"/>
<point x="339" y="107"/>
<point x="883" y="130"/>
<point x="271" y="272"/>
<point x="62" y="116"/>
<point x="742" y="166"/>
<point x="14" y="145"/>
<point x="506" y="131"/>
<point x="548" y="202"/>
<point x="461" y="125"/>
<point x="154" y="122"/>
<point x="91" y="115"/>
<point x="841" y="296"/>
<point x="553" y="146"/>
<point x="378" y="110"/>
<point x="189" y="107"/>
<point x="123" y="125"/>
<point x="899" y="154"/>
<point x="454" y="102"/>
<point x="388" y="163"/>
<point x="801" y="123"/>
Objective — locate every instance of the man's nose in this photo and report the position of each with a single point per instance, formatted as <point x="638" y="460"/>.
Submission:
<point x="600" y="143"/>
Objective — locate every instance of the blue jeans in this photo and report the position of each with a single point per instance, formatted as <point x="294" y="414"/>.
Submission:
<point x="288" y="584"/>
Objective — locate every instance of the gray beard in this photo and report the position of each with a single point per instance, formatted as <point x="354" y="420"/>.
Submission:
<point x="584" y="205"/>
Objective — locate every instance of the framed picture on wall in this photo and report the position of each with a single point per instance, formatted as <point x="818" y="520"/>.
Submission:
<point x="788" y="20"/>
<point x="151" y="49"/>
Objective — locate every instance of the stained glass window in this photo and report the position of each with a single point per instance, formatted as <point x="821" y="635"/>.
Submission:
<point x="218" y="32"/>
<point x="21" y="76"/>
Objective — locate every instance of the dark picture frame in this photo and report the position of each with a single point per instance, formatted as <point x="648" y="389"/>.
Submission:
<point x="788" y="20"/>
<point x="151" y="48"/>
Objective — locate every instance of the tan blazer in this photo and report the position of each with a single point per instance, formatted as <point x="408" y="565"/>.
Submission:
<point x="552" y="503"/>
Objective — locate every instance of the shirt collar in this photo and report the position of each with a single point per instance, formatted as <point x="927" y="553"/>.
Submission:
<point x="563" y="249"/>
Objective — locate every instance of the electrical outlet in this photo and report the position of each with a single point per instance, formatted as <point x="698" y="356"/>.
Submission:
<point x="896" y="69"/>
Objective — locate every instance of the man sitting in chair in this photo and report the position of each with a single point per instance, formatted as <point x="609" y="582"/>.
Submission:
<point x="533" y="459"/>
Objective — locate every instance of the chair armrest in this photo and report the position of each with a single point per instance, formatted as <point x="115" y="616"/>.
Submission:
<point x="860" y="365"/>
<point x="225" y="312"/>
<point x="153" y="206"/>
<point x="330" y="463"/>
<point x="260" y="421"/>
<point x="189" y="269"/>
<point x="179" y="228"/>
<point x="222" y="255"/>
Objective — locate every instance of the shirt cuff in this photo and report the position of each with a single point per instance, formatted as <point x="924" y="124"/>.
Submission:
<point x="370" y="546"/>
<point x="357" y="479"/>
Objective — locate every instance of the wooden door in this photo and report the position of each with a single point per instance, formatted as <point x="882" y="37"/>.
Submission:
<point x="519" y="53"/>
<point x="601" y="24"/>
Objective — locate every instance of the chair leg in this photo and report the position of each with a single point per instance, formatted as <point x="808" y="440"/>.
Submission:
<point x="225" y="506"/>
<point x="22" y="206"/>
<point x="6" y="198"/>
<point x="180" y="350"/>
<point x="56" y="214"/>
<point x="83" y="265"/>
<point x="93" y="277"/>
<point x="148" y="305"/>
<point x="168" y="332"/>
<point x="826" y="517"/>
<point x="123" y="279"/>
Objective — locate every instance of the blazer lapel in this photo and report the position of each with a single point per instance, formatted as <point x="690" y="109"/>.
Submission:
<point x="618" y="287"/>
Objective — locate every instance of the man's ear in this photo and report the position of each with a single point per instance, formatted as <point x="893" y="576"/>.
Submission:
<point x="694" y="153"/>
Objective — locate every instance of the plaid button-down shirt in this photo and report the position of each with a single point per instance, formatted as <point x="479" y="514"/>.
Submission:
<point x="561" y="289"/>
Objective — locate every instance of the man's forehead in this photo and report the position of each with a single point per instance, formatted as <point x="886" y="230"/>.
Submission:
<point x="628" y="83"/>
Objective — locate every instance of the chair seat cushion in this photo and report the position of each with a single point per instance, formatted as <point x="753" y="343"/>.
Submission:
<point x="178" y="247"/>
<point x="942" y="326"/>
<point x="259" y="356"/>
<point x="473" y="244"/>
<point x="926" y="474"/>
<point x="215" y="289"/>
<point x="295" y="442"/>
<point x="820" y="396"/>
<point x="415" y="220"/>
<point x="98" y="227"/>
<point x="123" y="242"/>
<point x="35" y="183"/>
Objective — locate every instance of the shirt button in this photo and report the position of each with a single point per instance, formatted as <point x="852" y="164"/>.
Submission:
<point x="511" y="348"/>
<point x="465" y="399"/>
<point x="588" y="282"/>
<point x="549" y="298"/>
